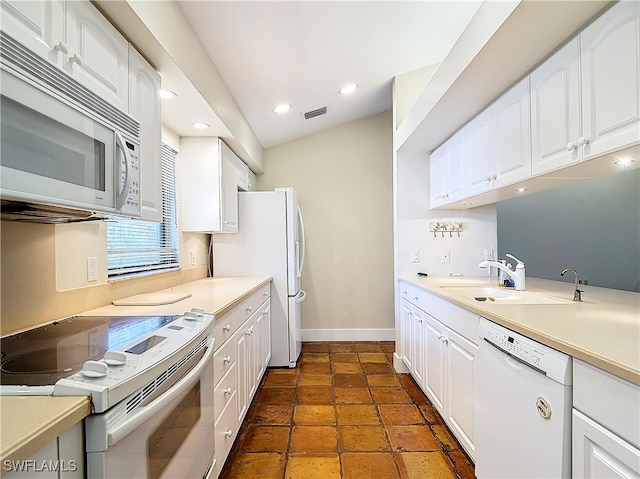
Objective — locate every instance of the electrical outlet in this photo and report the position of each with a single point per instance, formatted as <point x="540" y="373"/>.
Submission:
<point x="415" y="256"/>
<point x="444" y="256"/>
<point x="92" y="269"/>
<point x="193" y="258"/>
<point x="488" y="254"/>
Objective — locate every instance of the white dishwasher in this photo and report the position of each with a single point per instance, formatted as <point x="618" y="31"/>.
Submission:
<point x="523" y="407"/>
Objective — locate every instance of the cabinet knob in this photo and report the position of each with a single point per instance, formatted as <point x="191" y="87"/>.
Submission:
<point x="571" y="146"/>
<point x="76" y="59"/>
<point x="248" y="308"/>
<point x="583" y="141"/>
<point x="225" y="222"/>
<point x="494" y="177"/>
<point x="227" y="328"/>
<point x="415" y="298"/>
<point x="228" y="433"/>
<point x="488" y="179"/>
<point x="61" y="47"/>
<point x="227" y="391"/>
<point x="226" y="359"/>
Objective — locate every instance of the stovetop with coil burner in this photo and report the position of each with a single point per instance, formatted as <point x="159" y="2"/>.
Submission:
<point x="43" y="355"/>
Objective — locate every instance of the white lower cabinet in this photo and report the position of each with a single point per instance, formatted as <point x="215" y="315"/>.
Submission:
<point x="605" y="438"/>
<point x="244" y="338"/>
<point x="436" y="348"/>
<point x="62" y="458"/>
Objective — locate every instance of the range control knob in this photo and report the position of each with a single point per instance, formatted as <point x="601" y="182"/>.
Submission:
<point x="94" y="369"/>
<point x="115" y="358"/>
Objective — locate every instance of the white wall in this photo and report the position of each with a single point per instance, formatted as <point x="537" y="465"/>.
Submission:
<point x="344" y="183"/>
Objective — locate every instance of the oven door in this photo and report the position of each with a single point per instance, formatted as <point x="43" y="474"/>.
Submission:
<point x="172" y="436"/>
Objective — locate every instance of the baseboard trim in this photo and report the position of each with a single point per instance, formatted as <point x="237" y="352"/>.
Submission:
<point x="323" y="335"/>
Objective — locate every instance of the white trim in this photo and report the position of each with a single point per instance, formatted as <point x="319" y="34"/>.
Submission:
<point x="399" y="365"/>
<point x="386" y="334"/>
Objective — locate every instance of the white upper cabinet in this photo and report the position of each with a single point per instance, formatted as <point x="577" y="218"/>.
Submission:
<point x="39" y="25"/>
<point x="512" y="136"/>
<point x="610" y="62"/>
<point x="144" y="106"/>
<point x="446" y="172"/>
<point x="209" y="190"/>
<point x="478" y="156"/>
<point x="555" y="111"/>
<point x="585" y="99"/>
<point x="98" y="56"/>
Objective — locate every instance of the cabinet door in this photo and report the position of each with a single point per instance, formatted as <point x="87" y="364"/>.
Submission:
<point x="512" y="135"/>
<point x="610" y="56"/>
<point x="597" y="453"/>
<point x="98" y="55"/>
<point x="418" y="346"/>
<point x="436" y="176"/>
<point x="229" y="188"/>
<point x="555" y="111"/>
<point x="460" y="396"/>
<point x="144" y="106"/>
<point x="263" y="325"/>
<point x="435" y="362"/>
<point x="406" y="318"/>
<point x="242" y="372"/>
<point x="251" y="183"/>
<point x="38" y="25"/>
<point x="478" y="155"/>
<point x="453" y="171"/>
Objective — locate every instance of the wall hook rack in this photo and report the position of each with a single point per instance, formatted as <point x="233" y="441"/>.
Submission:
<point x="445" y="227"/>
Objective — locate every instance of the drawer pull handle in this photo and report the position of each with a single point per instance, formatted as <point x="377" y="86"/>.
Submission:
<point x="227" y="328"/>
<point x="226" y="359"/>
<point x="227" y="391"/>
<point x="228" y="433"/>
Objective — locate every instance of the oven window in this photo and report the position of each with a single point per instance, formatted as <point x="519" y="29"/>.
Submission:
<point x="36" y="144"/>
<point x="163" y="443"/>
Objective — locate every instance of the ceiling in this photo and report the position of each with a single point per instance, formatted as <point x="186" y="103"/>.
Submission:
<point x="303" y="52"/>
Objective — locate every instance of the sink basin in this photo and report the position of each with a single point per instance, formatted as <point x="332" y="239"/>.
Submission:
<point x="492" y="295"/>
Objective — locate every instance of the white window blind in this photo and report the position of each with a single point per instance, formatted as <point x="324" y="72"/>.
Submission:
<point x="136" y="247"/>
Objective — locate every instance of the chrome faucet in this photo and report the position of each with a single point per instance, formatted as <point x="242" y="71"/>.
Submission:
<point x="518" y="275"/>
<point x="576" y="294"/>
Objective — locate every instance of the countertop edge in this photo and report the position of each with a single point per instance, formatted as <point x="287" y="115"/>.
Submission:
<point x="433" y="286"/>
<point x="74" y="410"/>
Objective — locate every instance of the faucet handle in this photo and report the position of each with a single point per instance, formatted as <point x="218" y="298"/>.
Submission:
<point x="508" y="255"/>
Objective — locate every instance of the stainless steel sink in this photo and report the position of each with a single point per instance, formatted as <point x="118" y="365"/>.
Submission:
<point x="493" y="295"/>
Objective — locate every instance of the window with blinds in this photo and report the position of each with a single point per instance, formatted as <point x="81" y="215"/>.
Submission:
<point x="136" y="247"/>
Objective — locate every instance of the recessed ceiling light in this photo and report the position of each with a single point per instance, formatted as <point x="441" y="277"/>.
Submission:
<point x="622" y="162"/>
<point x="167" y="94"/>
<point x="467" y="204"/>
<point x="521" y="190"/>
<point x="283" y="108"/>
<point x="201" y="126"/>
<point x="350" y="88"/>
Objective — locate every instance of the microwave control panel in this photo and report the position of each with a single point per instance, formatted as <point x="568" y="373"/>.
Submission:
<point x="131" y="203"/>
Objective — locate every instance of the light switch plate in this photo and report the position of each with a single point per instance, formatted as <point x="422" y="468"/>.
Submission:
<point x="92" y="269"/>
<point x="444" y="256"/>
<point x="415" y="256"/>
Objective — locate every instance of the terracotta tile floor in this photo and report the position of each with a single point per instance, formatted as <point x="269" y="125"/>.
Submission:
<point x="344" y="413"/>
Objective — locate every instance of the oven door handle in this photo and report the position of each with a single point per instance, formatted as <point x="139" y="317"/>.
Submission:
<point x="144" y="413"/>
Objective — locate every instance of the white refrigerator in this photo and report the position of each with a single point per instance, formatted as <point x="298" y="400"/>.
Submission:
<point x="270" y="242"/>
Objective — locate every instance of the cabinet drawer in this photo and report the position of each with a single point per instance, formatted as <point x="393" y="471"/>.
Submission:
<point x="411" y="293"/>
<point x="223" y="360"/>
<point x="607" y="399"/>
<point x="224" y="391"/>
<point x="250" y="305"/>
<point x="226" y="431"/>
<point x="228" y="323"/>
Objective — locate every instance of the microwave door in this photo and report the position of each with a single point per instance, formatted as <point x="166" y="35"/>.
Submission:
<point x="51" y="152"/>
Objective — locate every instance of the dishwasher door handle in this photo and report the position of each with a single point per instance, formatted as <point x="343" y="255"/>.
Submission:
<point x="515" y="358"/>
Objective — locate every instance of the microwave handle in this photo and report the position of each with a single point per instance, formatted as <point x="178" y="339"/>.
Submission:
<point x="122" y="195"/>
<point x="144" y="413"/>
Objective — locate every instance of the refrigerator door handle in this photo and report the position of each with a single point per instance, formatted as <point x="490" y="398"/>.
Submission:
<point x="304" y="245"/>
<point x="300" y="297"/>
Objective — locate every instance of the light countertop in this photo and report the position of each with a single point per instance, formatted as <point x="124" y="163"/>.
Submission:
<point x="602" y="330"/>
<point x="28" y="423"/>
<point x="31" y="422"/>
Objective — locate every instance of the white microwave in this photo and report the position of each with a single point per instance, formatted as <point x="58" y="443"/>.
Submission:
<point x="64" y="151"/>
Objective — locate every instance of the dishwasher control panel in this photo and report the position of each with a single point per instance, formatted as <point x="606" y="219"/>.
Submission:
<point x="536" y="355"/>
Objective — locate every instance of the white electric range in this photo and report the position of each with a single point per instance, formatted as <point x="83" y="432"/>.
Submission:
<point x="150" y="379"/>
